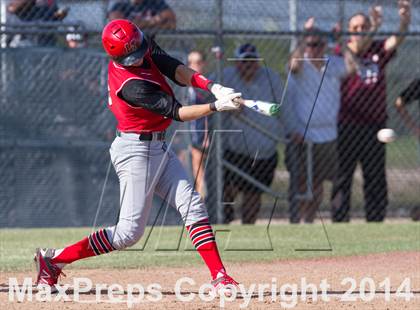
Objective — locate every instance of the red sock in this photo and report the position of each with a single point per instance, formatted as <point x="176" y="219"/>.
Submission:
<point x="202" y="237"/>
<point x="95" y="244"/>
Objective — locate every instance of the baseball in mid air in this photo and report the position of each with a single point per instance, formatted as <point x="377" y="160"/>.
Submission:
<point x="387" y="135"/>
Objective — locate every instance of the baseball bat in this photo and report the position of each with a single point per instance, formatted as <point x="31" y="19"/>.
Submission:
<point x="263" y="107"/>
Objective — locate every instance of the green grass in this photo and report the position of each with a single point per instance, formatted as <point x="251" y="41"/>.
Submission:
<point x="17" y="245"/>
<point x="402" y="163"/>
<point x="403" y="153"/>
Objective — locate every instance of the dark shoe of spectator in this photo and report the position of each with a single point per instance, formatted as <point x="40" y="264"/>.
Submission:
<point x="415" y="213"/>
<point x="228" y="214"/>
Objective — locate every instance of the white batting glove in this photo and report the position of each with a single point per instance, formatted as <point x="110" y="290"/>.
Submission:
<point x="226" y="103"/>
<point x="220" y="91"/>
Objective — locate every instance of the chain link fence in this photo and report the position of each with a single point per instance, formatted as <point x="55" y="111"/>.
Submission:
<point x="55" y="127"/>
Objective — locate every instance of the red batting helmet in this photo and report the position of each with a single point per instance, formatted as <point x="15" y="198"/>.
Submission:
<point x="124" y="42"/>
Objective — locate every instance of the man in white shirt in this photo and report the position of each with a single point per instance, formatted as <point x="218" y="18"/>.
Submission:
<point x="249" y="147"/>
<point x="310" y="115"/>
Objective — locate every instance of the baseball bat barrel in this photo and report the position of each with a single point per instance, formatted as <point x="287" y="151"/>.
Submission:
<point x="263" y="107"/>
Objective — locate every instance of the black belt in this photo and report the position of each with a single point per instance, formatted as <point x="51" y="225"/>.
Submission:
<point x="146" y="136"/>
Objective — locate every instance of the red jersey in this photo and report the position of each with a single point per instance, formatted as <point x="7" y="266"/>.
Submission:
<point x="363" y="95"/>
<point x="131" y="118"/>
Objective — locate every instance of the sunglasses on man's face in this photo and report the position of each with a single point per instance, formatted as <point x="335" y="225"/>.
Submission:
<point x="315" y="44"/>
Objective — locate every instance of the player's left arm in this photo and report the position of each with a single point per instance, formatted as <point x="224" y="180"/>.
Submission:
<point x="183" y="75"/>
<point x="394" y="41"/>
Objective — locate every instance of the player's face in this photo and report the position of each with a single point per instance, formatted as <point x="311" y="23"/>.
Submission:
<point x="358" y="23"/>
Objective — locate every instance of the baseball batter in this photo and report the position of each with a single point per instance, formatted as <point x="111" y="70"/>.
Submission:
<point x="144" y="106"/>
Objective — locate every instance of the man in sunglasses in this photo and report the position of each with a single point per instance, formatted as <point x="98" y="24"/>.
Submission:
<point x="144" y="106"/>
<point x="310" y="115"/>
<point x="247" y="145"/>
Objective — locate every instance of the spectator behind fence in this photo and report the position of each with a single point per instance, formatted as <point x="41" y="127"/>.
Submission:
<point x="76" y="39"/>
<point x="362" y="114"/>
<point x="35" y="11"/>
<point x="253" y="149"/>
<point x="309" y="65"/>
<point x="406" y="97"/>
<point x="149" y="15"/>
<point x="199" y="127"/>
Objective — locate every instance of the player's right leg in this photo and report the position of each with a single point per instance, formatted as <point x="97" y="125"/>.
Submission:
<point x="135" y="163"/>
<point x="176" y="189"/>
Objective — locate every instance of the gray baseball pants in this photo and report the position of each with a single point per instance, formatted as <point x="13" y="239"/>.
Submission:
<point x="145" y="168"/>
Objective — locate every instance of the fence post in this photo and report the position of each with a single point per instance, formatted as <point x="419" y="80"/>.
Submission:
<point x="3" y="45"/>
<point x="293" y="22"/>
<point x="217" y="119"/>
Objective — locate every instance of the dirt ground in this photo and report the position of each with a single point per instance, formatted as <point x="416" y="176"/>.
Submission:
<point x="394" y="266"/>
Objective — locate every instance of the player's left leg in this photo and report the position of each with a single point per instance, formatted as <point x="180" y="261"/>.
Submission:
<point x="136" y="163"/>
<point x="175" y="187"/>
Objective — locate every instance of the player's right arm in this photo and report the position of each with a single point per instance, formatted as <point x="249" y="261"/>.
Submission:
<point x="147" y="95"/>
